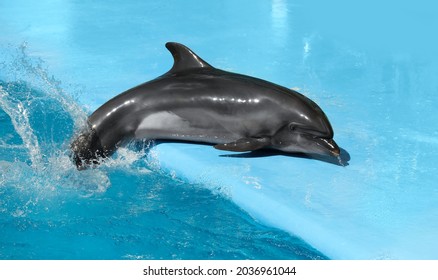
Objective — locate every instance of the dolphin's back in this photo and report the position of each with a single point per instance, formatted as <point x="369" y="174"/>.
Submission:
<point x="202" y="106"/>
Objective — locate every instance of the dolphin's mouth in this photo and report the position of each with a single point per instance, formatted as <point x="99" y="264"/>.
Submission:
<point x="328" y="145"/>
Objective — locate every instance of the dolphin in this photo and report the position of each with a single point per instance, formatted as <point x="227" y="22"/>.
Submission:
<point x="197" y="102"/>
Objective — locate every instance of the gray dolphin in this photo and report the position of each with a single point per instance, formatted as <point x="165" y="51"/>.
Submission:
<point x="196" y="102"/>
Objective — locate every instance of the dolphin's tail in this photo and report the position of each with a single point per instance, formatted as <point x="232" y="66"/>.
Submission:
<point x="86" y="149"/>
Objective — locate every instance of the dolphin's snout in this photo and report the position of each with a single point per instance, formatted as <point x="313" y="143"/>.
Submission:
<point x="329" y="145"/>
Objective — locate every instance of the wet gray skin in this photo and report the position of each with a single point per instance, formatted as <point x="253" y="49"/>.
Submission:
<point x="199" y="103"/>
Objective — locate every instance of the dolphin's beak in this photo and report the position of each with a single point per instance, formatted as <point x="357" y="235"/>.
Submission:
<point x="329" y="146"/>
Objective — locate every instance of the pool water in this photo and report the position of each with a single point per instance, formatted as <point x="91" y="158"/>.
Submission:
<point x="372" y="67"/>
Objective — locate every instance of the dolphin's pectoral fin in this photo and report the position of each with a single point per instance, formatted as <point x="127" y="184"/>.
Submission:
<point x="245" y="144"/>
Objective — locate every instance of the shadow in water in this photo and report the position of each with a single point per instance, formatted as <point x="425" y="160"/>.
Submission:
<point x="342" y="160"/>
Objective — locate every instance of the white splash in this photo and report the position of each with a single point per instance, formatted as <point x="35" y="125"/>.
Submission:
<point x="306" y="48"/>
<point x="252" y="181"/>
<point x="20" y="120"/>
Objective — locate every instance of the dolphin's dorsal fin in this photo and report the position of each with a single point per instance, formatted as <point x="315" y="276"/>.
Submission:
<point x="184" y="58"/>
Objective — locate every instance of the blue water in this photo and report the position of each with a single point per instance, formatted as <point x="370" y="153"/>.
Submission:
<point x="371" y="66"/>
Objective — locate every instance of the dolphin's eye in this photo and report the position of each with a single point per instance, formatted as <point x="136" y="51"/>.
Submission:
<point x="299" y="128"/>
<point x="295" y="126"/>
